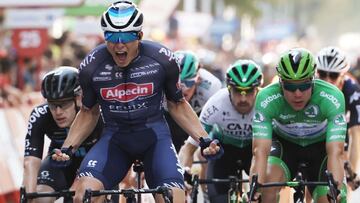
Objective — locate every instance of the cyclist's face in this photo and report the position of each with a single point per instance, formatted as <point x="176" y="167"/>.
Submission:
<point x="123" y="53"/>
<point x="63" y="111"/>
<point x="243" y="100"/>
<point x="297" y="93"/>
<point x="188" y="87"/>
<point x="331" y="77"/>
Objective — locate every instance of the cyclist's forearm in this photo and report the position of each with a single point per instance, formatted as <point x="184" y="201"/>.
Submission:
<point x="82" y="127"/>
<point x="186" y="118"/>
<point x="261" y="150"/>
<point x="31" y="169"/>
<point x="335" y="163"/>
<point x="354" y="146"/>
<point x="186" y="154"/>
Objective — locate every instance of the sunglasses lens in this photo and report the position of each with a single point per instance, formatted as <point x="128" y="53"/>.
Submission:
<point x="120" y="37"/>
<point x="334" y="76"/>
<point x="322" y="74"/>
<point x="61" y="105"/>
<point x="293" y="87"/>
<point x="331" y="75"/>
<point x="188" y="83"/>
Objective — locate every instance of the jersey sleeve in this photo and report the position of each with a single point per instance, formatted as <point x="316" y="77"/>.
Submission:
<point x="89" y="98"/>
<point x="354" y="107"/>
<point x="262" y="119"/>
<point x="208" y="115"/>
<point x="34" y="139"/>
<point x="172" y="80"/>
<point x="335" y="112"/>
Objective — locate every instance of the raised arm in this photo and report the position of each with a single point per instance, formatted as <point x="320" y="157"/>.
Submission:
<point x="187" y="119"/>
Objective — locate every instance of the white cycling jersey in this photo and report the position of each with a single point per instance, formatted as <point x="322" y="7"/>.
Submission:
<point x="208" y="86"/>
<point x="233" y="128"/>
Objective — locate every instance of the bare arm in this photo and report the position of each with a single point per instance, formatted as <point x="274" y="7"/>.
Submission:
<point x="354" y="146"/>
<point x="335" y="162"/>
<point x="31" y="169"/>
<point x="186" y="154"/>
<point x="82" y="126"/>
<point x="186" y="118"/>
<point x="261" y="150"/>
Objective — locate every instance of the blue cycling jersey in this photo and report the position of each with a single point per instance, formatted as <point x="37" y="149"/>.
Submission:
<point x="351" y="91"/>
<point x="131" y="102"/>
<point x="131" y="95"/>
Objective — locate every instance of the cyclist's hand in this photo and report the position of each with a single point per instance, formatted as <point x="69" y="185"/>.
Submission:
<point x="256" y="198"/>
<point x="338" y="196"/>
<point x="188" y="180"/>
<point x="61" y="157"/>
<point x="211" y="149"/>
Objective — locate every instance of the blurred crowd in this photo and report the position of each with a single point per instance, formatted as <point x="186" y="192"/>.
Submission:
<point x="70" y="49"/>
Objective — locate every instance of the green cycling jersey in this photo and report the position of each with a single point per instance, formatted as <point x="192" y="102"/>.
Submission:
<point x="322" y="119"/>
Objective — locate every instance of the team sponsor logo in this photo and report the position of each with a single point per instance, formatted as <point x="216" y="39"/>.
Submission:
<point x="105" y="73"/>
<point x="146" y="67"/>
<point x="108" y="67"/>
<point x="354" y="97"/>
<point x="286" y="116"/>
<point x="127" y="91"/>
<point x="143" y="73"/>
<point x="91" y="163"/>
<point x="331" y="98"/>
<point x="340" y="119"/>
<point x="168" y="53"/>
<point x="118" y="75"/>
<point x="108" y="78"/>
<point x="269" y="99"/>
<point x="311" y="111"/>
<point x="88" y="59"/>
<point x="37" y="112"/>
<point x="126" y="108"/>
<point x="258" y="117"/>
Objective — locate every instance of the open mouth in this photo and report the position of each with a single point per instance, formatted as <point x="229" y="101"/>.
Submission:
<point x="121" y="55"/>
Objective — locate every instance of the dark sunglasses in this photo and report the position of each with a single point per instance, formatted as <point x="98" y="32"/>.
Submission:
<point x="325" y="74"/>
<point x="292" y="87"/>
<point x="188" y="83"/>
<point x="243" y="91"/>
<point x="61" y="104"/>
<point x="121" y="37"/>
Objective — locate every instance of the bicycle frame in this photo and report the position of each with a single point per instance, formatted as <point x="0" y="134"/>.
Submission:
<point x="196" y="182"/>
<point x="298" y="185"/>
<point x="129" y="193"/>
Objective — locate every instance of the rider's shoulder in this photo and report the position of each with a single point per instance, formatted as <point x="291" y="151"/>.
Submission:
<point x="156" y="51"/>
<point x="40" y="112"/>
<point x="321" y="87"/>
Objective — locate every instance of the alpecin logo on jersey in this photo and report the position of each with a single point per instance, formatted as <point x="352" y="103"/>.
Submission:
<point x="127" y="91"/>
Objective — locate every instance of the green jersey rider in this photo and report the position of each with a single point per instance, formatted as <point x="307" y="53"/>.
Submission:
<point x="306" y="119"/>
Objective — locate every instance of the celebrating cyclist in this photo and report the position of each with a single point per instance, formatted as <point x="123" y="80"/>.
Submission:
<point x="227" y="116"/>
<point x="306" y="119"/>
<point x="127" y="77"/>
<point x="332" y="66"/>
<point x="197" y="85"/>
<point x="62" y="91"/>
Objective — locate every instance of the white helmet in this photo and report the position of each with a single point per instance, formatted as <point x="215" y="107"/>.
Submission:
<point x="122" y="16"/>
<point x="332" y="59"/>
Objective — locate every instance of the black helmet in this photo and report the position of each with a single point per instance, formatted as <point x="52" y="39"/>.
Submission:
<point x="63" y="82"/>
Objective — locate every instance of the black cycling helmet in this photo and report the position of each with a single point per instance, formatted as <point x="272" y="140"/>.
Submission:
<point x="61" y="83"/>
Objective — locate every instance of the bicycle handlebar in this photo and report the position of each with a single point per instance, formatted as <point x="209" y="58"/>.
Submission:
<point x="255" y="185"/>
<point x="25" y="196"/>
<point x="129" y="193"/>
